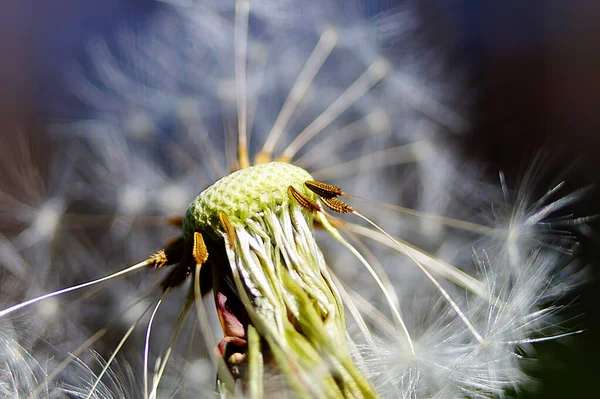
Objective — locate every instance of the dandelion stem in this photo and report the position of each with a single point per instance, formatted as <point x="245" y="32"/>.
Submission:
<point x="395" y="311"/>
<point x="147" y="344"/>
<point x="444" y="293"/>
<point x="179" y="325"/>
<point x="242" y="13"/>
<point x="114" y="354"/>
<point x="354" y="312"/>
<point x="377" y="266"/>
<point x="372" y="313"/>
<point x="450" y="222"/>
<point x="370" y="77"/>
<point x="440" y="268"/>
<point x="73" y="288"/>
<point x="413" y="152"/>
<point x="313" y="64"/>
<point x="361" y="128"/>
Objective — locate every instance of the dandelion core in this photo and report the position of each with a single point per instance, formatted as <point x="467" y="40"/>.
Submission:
<point x="244" y="194"/>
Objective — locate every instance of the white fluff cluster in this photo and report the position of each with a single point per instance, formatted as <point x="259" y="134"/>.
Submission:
<point x="523" y="272"/>
<point x="444" y="304"/>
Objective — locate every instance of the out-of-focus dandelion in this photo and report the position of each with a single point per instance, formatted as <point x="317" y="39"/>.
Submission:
<point x="262" y="107"/>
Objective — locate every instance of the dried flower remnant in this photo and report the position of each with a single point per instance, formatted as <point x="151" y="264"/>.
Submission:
<point x="280" y="278"/>
<point x="354" y="310"/>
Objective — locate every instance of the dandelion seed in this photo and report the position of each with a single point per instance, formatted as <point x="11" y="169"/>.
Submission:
<point x="313" y="295"/>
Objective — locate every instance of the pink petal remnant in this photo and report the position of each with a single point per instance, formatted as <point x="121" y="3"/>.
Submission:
<point x="231" y="324"/>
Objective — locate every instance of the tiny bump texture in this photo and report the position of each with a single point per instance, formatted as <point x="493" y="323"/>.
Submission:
<point x="245" y="194"/>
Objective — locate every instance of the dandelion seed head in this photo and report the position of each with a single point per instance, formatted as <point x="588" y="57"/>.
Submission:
<point x="48" y="219"/>
<point x="187" y="109"/>
<point x="244" y="194"/>
<point x="131" y="200"/>
<point x="173" y="198"/>
<point x="433" y="312"/>
<point x="20" y="372"/>
<point x="48" y="310"/>
<point x="378" y="121"/>
<point x="140" y="125"/>
<point x="226" y="90"/>
<point x="121" y="381"/>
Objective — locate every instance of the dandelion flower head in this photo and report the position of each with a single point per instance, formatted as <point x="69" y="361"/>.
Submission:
<point x="300" y="152"/>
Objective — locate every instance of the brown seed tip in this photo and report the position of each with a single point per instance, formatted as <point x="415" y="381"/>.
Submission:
<point x="323" y="190"/>
<point x="337" y="206"/>
<point x="303" y="200"/>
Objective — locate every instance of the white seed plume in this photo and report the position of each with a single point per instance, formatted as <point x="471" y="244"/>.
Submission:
<point x="425" y="301"/>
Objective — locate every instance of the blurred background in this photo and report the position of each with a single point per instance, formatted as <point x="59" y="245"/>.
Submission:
<point x="532" y="83"/>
